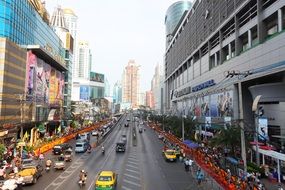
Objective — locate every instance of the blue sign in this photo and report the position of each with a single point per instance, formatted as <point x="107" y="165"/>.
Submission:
<point x="204" y="85"/>
<point x="84" y="93"/>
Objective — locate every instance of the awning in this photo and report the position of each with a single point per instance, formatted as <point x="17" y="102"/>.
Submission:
<point x="271" y="153"/>
<point x="191" y="144"/>
<point x="232" y="160"/>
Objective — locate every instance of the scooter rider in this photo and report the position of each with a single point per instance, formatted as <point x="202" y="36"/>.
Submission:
<point x="82" y="176"/>
<point x="103" y="149"/>
<point x="48" y="163"/>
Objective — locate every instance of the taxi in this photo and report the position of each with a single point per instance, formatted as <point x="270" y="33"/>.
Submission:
<point x="170" y="155"/>
<point x="106" y="180"/>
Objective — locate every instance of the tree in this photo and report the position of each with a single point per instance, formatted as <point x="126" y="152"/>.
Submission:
<point x="2" y="150"/>
<point x="227" y="138"/>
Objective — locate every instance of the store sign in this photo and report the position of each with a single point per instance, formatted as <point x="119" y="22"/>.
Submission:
<point x="182" y="92"/>
<point x="204" y="85"/>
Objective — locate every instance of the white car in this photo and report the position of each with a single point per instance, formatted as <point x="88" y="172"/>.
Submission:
<point x="95" y="133"/>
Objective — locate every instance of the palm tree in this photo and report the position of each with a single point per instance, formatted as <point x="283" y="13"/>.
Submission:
<point x="227" y="138"/>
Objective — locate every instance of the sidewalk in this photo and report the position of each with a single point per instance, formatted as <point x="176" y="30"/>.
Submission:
<point x="208" y="183"/>
<point x="269" y="185"/>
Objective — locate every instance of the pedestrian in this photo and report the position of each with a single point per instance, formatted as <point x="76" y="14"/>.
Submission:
<point x="186" y="165"/>
<point x="199" y="176"/>
<point x="190" y="163"/>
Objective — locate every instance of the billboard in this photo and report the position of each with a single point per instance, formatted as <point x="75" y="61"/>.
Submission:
<point x="47" y="70"/>
<point x="39" y="87"/>
<point x="30" y="74"/>
<point x="84" y="93"/>
<point x="96" y="77"/>
<point x="263" y="129"/>
<point x="52" y="86"/>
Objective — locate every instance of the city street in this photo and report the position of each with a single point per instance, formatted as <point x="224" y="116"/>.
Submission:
<point x="140" y="167"/>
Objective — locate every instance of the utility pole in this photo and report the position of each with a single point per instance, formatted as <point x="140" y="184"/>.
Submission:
<point x="242" y="136"/>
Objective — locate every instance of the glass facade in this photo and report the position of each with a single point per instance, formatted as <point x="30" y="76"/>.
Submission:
<point x="173" y="16"/>
<point x="21" y="23"/>
<point x="96" y="92"/>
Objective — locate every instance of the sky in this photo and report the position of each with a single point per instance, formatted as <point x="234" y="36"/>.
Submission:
<point x="120" y="30"/>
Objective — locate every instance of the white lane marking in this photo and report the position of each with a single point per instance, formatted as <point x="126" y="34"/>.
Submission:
<point x="130" y="158"/>
<point x="133" y="183"/>
<point x="104" y="163"/>
<point x="134" y="163"/>
<point x="131" y="176"/>
<point x="124" y="187"/>
<point x="132" y="166"/>
<point x="134" y="171"/>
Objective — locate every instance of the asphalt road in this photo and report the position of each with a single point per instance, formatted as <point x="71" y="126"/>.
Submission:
<point x="140" y="167"/>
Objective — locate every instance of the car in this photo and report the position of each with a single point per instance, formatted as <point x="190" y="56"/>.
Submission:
<point x="128" y="119"/>
<point x="106" y="180"/>
<point x="59" y="149"/>
<point x="59" y="164"/>
<point x="121" y="147"/>
<point x="140" y="129"/>
<point x="28" y="162"/>
<point x="30" y="174"/>
<point x="124" y="138"/>
<point x="95" y="133"/>
<point x="126" y="124"/>
<point x="81" y="146"/>
<point x="170" y="155"/>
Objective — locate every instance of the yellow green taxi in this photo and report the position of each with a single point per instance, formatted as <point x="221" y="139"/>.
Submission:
<point x="170" y="155"/>
<point x="106" y="180"/>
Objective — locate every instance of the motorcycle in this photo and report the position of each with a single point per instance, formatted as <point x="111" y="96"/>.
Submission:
<point x="82" y="182"/>
<point x="103" y="151"/>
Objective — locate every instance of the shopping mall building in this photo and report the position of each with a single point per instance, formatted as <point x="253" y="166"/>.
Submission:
<point x="219" y="45"/>
<point x="32" y="72"/>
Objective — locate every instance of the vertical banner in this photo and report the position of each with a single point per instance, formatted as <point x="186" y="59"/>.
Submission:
<point x="227" y="122"/>
<point x="30" y="74"/>
<point x="47" y="70"/>
<point x="39" y="92"/>
<point x="84" y="92"/>
<point x="263" y="129"/>
<point x="205" y="109"/>
<point x="52" y="87"/>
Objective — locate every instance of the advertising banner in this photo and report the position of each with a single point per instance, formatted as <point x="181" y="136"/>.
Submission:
<point x="47" y="70"/>
<point x="96" y="77"/>
<point x="30" y="74"/>
<point x="205" y="109"/>
<point x="221" y="104"/>
<point x="263" y="129"/>
<point x="52" y="87"/>
<point x="39" y="92"/>
<point x="84" y="93"/>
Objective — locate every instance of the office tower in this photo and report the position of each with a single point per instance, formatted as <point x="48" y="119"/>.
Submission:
<point x="174" y="15"/>
<point x="117" y="92"/>
<point x="131" y="84"/>
<point x="84" y="60"/>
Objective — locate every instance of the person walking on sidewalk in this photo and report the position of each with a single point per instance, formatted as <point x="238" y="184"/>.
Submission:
<point x="199" y="176"/>
<point x="186" y="165"/>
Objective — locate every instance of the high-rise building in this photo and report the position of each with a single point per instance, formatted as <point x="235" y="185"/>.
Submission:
<point x="71" y="22"/>
<point x="174" y="15"/>
<point x="59" y="24"/>
<point x="149" y="99"/>
<point x="222" y="53"/>
<point x="131" y="84"/>
<point x="84" y="60"/>
<point x="156" y="88"/>
<point x="142" y="99"/>
<point x="117" y="92"/>
<point x="107" y="88"/>
<point x="32" y="65"/>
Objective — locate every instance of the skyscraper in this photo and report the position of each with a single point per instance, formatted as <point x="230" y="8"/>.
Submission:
<point x="71" y="21"/>
<point x="173" y="17"/>
<point x="59" y="24"/>
<point x="84" y="60"/>
<point x="117" y="92"/>
<point x="131" y="84"/>
<point x="149" y="99"/>
<point x="156" y="85"/>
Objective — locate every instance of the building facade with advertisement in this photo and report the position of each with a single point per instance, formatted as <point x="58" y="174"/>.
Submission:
<point x="219" y="46"/>
<point x="36" y="54"/>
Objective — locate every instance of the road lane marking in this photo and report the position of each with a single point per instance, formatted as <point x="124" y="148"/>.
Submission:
<point x="131" y="176"/>
<point x="134" y="171"/>
<point x="126" y="188"/>
<point x="133" y="183"/>
<point x="131" y="162"/>
<point x="136" y="167"/>
<point x="132" y="159"/>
